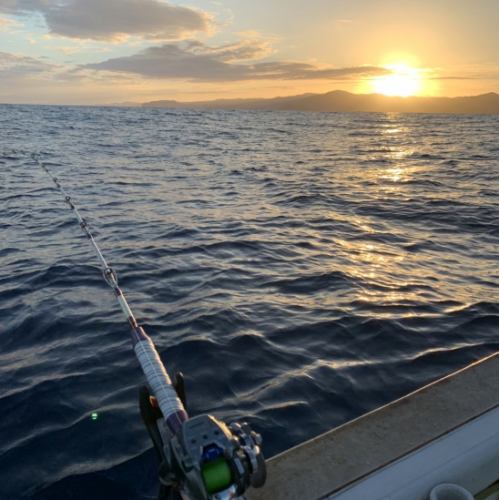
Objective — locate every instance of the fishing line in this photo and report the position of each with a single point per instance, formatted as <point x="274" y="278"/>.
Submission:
<point x="201" y="457"/>
<point x="154" y="370"/>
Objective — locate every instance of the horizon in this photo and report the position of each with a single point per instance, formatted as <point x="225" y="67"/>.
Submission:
<point x="333" y="91"/>
<point x="100" y="52"/>
<point x="276" y="97"/>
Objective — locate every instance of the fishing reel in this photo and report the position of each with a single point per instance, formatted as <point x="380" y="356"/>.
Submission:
<point x="207" y="459"/>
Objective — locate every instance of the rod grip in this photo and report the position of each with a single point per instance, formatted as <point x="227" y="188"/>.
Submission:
<point x="157" y="378"/>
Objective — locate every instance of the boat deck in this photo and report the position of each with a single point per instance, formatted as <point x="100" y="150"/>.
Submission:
<point x="338" y="462"/>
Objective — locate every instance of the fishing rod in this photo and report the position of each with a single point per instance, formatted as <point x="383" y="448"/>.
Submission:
<point x="201" y="457"/>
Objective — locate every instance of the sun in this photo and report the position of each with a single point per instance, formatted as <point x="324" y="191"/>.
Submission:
<point x="403" y="80"/>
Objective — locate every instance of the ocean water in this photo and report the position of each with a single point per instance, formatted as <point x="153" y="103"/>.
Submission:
<point x="301" y="269"/>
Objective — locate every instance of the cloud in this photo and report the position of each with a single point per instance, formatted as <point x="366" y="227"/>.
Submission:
<point x="23" y="6"/>
<point x="483" y="72"/>
<point x="195" y="61"/>
<point x="113" y="19"/>
<point x="454" y="78"/>
<point x="14" y="66"/>
<point x="232" y="52"/>
<point x="8" y="24"/>
<point x="486" y="74"/>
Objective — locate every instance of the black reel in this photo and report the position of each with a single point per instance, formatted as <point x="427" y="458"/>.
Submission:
<point x="206" y="459"/>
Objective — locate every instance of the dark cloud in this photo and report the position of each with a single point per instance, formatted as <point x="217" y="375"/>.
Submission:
<point x="197" y="62"/>
<point x="239" y="51"/>
<point x="108" y="19"/>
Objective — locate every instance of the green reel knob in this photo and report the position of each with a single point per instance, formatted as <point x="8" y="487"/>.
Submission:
<point x="217" y="475"/>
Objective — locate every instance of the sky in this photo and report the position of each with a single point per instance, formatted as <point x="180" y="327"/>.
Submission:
<point x="114" y="51"/>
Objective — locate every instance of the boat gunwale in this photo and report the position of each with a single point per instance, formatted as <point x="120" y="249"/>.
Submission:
<point x="334" y="461"/>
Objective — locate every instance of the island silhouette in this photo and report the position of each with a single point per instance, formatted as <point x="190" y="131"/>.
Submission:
<point x="342" y="101"/>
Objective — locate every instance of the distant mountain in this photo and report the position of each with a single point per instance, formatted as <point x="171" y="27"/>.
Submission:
<point x="126" y="104"/>
<point x="342" y="101"/>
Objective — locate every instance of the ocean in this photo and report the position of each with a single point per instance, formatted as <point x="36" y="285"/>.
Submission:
<point x="300" y="269"/>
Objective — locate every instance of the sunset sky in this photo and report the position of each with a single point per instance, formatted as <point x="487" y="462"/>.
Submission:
<point x="110" y="51"/>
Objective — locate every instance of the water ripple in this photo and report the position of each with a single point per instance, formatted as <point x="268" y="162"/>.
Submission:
<point x="300" y="269"/>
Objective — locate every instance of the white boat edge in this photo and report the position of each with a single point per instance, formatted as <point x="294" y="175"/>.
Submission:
<point x="447" y="431"/>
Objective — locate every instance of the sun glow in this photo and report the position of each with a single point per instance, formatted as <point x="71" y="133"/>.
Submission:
<point x="403" y="81"/>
